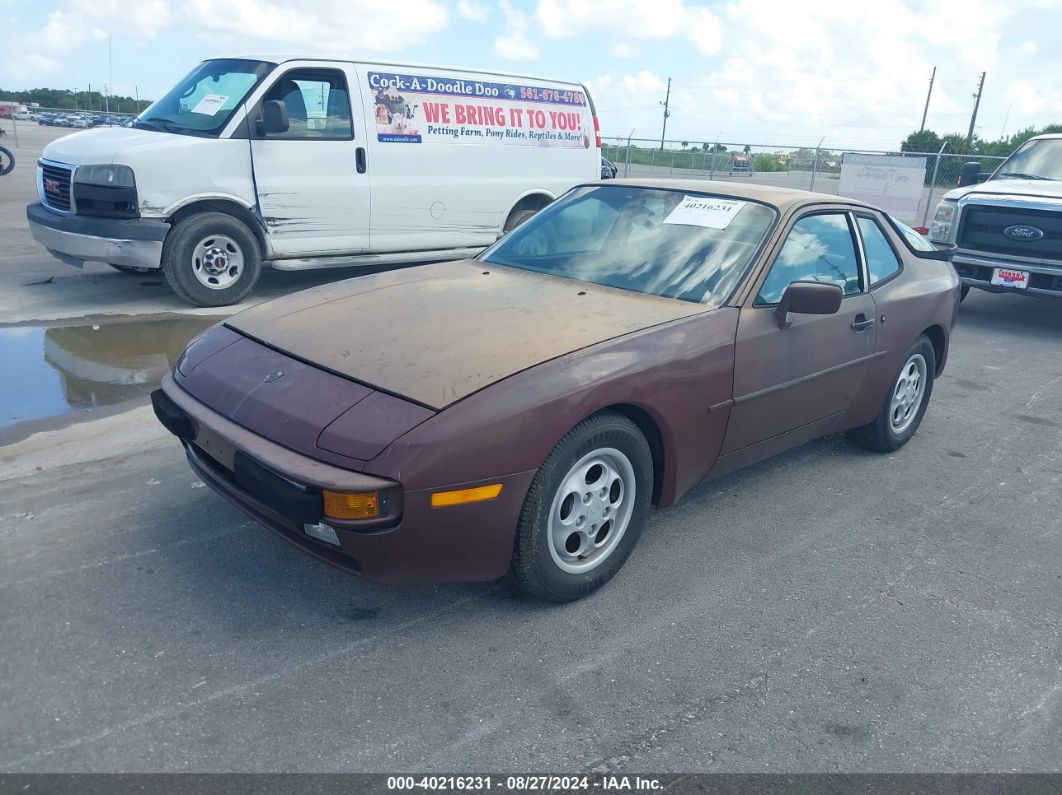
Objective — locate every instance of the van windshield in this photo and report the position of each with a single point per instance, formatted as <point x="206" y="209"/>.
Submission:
<point x="203" y="102"/>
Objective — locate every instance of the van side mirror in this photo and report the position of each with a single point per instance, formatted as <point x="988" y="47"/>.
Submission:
<point x="274" y="118"/>
<point x="969" y="174"/>
<point x="808" y="298"/>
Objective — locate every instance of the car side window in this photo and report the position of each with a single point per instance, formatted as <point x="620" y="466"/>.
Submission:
<point x="882" y="261"/>
<point x="318" y="105"/>
<point x="819" y="248"/>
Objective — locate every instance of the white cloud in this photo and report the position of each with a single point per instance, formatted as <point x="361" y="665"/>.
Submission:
<point x="33" y="55"/>
<point x="515" y="44"/>
<point x="704" y="31"/>
<point x="621" y="49"/>
<point x="340" y="27"/>
<point x="333" y="26"/>
<point x="634" y="19"/>
<point x="466" y="9"/>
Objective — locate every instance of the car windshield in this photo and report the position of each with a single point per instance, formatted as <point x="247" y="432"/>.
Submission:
<point x="204" y="101"/>
<point x="676" y="244"/>
<point x="1035" y="160"/>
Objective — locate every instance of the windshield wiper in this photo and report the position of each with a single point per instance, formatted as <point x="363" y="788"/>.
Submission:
<point x="1019" y="175"/>
<point x="159" y="123"/>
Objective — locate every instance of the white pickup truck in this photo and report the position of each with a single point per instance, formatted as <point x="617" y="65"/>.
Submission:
<point x="1008" y="229"/>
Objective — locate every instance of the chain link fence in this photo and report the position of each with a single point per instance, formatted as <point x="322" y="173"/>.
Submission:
<point x="887" y="183"/>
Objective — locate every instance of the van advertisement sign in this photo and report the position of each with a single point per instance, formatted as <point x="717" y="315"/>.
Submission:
<point x="417" y="108"/>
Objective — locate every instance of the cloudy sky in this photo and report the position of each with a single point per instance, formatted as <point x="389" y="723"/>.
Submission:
<point x="784" y="72"/>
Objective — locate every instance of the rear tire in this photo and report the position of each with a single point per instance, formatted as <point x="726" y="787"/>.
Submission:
<point x="905" y="403"/>
<point x="516" y="217"/>
<point x="584" y="511"/>
<point x="211" y="259"/>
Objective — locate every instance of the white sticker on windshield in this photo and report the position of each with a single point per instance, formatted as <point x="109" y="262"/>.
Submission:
<point x="210" y="104"/>
<point x="705" y="211"/>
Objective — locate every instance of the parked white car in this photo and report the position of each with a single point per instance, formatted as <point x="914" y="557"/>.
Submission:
<point x="306" y="163"/>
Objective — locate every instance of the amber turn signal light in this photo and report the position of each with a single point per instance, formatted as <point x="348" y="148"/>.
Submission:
<point x="351" y="505"/>
<point x="441" y="499"/>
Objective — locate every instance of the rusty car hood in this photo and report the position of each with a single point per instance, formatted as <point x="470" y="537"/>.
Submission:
<point x="437" y="333"/>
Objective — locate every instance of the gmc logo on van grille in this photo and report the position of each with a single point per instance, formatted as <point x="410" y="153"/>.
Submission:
<point x="52" y="186"/>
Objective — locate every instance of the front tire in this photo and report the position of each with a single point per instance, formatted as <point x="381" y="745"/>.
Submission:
<point x="211" y="259"/>
<point x="905" y="403"/>
<point x="585" y="510"/>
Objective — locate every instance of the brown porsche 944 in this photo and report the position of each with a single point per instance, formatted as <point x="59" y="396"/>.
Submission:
<point x="521" y="412"/>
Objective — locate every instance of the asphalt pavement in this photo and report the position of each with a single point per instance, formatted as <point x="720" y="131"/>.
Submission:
<point x="827" y="610"/>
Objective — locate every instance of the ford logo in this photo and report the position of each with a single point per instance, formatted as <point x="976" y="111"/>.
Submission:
<point x="1023" y="232"/>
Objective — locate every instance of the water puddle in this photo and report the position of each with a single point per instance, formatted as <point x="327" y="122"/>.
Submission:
<point x="51" y="371"/>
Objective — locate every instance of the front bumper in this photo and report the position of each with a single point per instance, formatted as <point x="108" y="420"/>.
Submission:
<point x="464" y="543"/>
<point x="976" y="270"/>
<point x="76" y="239"/>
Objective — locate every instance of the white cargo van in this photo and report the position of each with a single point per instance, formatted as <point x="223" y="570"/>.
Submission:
<point x="308" y="163"/>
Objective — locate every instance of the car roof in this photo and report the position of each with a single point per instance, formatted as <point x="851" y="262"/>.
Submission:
<point x="782" y="198"/>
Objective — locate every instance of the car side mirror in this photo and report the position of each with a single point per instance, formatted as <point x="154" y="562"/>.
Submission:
<point x="274" y="118"/>
<point x="808" y="298"/>
<point x="969" y="174"/>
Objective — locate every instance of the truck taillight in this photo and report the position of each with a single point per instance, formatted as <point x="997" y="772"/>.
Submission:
<point x="597" y="132"/>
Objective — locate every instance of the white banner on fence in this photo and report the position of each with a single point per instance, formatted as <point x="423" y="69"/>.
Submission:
<point x="892" y="182"/>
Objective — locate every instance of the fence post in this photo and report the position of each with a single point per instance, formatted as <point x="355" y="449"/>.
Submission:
<point x="14" y="128"/>
<point x="673" y="153"/>
<point x="932" y="185"/>
<point x="815" y="165"/>
<point x="714" y="144"/>
<point x="627" y="163"/>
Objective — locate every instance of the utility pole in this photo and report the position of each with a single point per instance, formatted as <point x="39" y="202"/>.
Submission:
<point x="977" y="104"/>
<point x="110" y="74"/>
<point x="928" y="95"/>
<point x="665" y="103"/>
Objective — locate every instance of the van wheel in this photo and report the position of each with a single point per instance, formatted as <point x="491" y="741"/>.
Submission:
<point x="516" y="217"/>
<point x="130" y="270"/>
<point x="211" y="259"/>
<point x="584" y="511"/>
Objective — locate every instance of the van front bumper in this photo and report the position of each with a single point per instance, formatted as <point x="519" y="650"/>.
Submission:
<point x="77" y="239"/>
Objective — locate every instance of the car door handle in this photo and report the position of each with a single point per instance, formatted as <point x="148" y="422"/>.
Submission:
<point x="862" y="322"/>
<point x="359" y="159"/>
